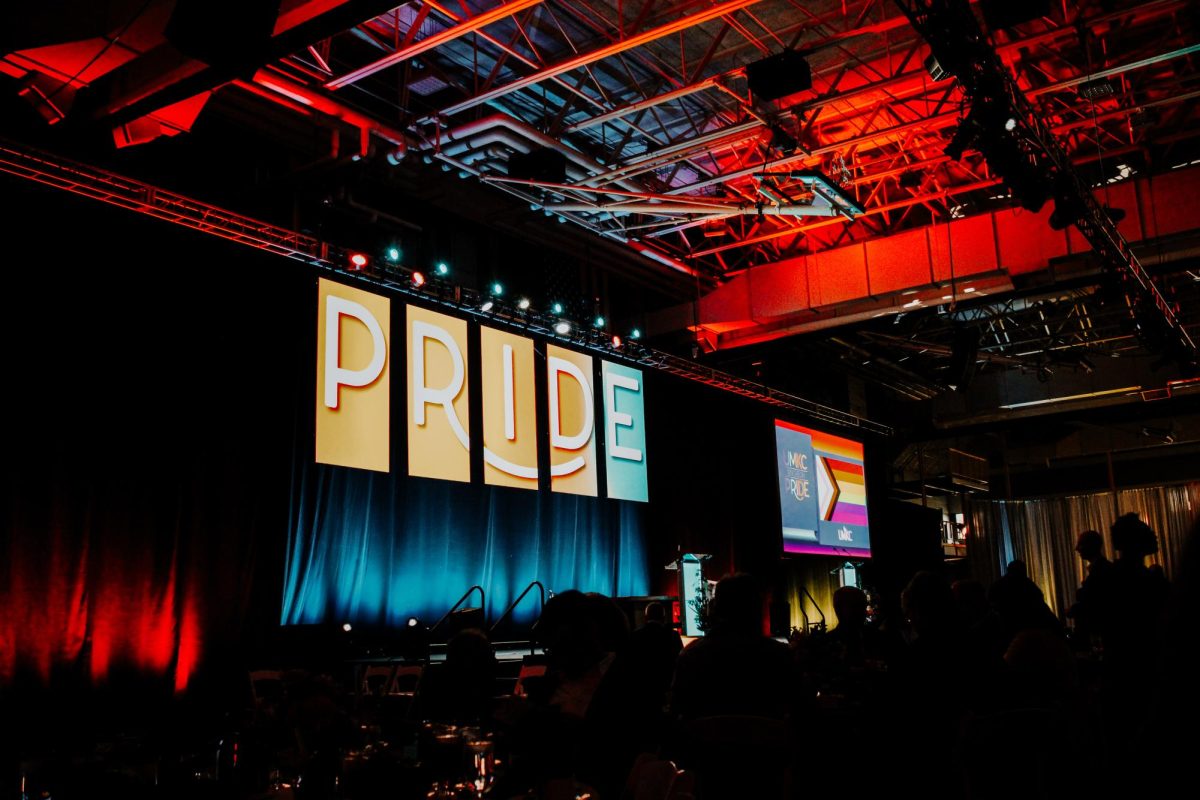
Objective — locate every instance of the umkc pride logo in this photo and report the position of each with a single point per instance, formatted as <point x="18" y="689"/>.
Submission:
<point x="799" y="483"/>
<point x="353" y="401"/>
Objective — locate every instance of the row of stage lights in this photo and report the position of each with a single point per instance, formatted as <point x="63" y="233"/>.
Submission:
<point x="493" y="302"/>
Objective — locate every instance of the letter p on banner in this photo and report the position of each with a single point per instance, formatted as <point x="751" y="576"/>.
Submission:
<point x="353" y="386"/>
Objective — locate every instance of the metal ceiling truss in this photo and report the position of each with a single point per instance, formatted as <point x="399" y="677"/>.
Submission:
<point x="669" y="153"/>
<point x="958" y="42"/>
<point x="130" y="194"/>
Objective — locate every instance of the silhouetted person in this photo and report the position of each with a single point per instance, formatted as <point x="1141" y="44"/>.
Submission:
<point x="848" y="663"/>
<point x="734" y="668"/>
<point x="1176" y="702"/>
<point x="461" y="689"/>
<point x="935" y="687"/>
<point x="982" y="629"/>
<point x="1130" y="632"/>
<point x="1020" y="602"/>
<point x="1094" y="597"/>
<point x="733" y="690"/>
<point x="653" y="648"/>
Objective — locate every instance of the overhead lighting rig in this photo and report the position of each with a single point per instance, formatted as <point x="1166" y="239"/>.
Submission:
<point x="1028" y="156"/>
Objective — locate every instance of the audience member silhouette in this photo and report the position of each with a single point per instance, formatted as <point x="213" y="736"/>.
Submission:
<point x="1091" y="607"/>
<point x="734" y="668"/>
<point x="1131" y="630"/>
<point x="461" y="689"/>
<point x="1020" y="602"/>
<point x="982" y="629"/>
<point x="653" y="649"/>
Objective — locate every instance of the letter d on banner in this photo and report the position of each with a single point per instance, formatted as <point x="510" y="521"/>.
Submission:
<point x="572" y="427"/>
<point x="353" y="393"/>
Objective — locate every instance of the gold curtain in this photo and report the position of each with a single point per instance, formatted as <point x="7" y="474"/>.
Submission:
<point x="1042" y="533"/>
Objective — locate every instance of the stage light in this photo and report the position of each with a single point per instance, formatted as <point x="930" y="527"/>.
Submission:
<point x="442" y="269"/>
<point x="413" y="622"/>
<point x="347" y="627"/>
<point x="497" y="288"/>
<point x="969" y="289"/>
<point x="358" y="261"/>
<point x="636" y="333"/>
<point x="523" y="304"/>
<point x="935" y="69"/>
<point x="562" y="328"/>
<point x="487" y="305"/>
<point x="1068" y="207"/>
<point x="599" y="322"/>
<point x="616" y="342"/>
<point x="418" y="279"/>
<point x="1010" y="124"/>
<point x="393" y="254"/>
<point x="557" y="308"/>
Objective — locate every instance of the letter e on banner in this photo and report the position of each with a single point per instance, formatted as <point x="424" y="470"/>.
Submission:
<point x="624" y="432"/>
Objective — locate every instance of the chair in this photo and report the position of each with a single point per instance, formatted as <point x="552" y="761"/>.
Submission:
<point x="527" y="672"/>
<point x="653" y="778"/>
<point x="266" y="686"/>
<point x="406" y="678"/>
<point x="377" y="679"/>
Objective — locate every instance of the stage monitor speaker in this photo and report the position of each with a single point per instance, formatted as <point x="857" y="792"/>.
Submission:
<point x="223" y="33"/>
<point x="779" y="75"/>
<point x="543" y="165"/>
<point x="1001" y="14"/>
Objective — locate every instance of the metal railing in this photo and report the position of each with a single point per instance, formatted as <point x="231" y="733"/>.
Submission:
<point x="461" y="600"/>
<point x="512" y="606"/>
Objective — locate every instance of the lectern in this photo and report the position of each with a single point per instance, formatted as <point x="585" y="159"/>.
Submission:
<point x="693" y="590"/>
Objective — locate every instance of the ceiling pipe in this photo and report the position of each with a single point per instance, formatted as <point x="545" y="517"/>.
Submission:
<point x="471" y="136"/>
<point x="271" y="85"/>
<point x="691" y="208"/>
<point x="599" y="54"/>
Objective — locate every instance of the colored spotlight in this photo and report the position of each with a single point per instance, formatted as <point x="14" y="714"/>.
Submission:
<point x="636" y="333"/>
<point x="418" y="279"/>
<point x="393" y="254"/>
<point x="442" y="269"/>
<point x="358" y="261"/>
<point x="497" y="288"/>
<point x="616" y="342"/>
<point x="557" y="308"/>
<point x="599" y="323"/>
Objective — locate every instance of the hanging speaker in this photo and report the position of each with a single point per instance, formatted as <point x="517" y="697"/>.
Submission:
<point x="1006" y="13"/>
<point x="223" y="33"/>
<point x="779" y="75"/>
<point x="964" y="351"/>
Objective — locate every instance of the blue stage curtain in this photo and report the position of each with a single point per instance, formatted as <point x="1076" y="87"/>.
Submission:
<point x="375" y="548"/>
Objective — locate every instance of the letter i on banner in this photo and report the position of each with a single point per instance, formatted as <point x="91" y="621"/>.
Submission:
<point x="353" y="392"/>
<point x="572" y="423"/>
<point x="439" y="442"/>
<point x="509" y="410"/>
<point x="624" y="432"/>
